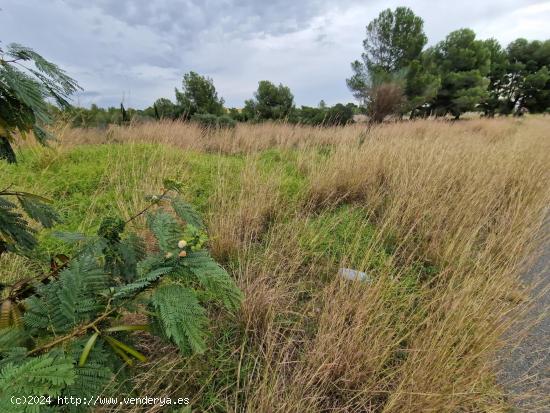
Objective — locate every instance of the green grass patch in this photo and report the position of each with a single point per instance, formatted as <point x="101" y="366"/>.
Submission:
<point x="88" y="183"/>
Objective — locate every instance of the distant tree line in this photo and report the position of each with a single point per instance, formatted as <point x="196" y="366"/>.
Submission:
<point x="396" y="76"/>
<point x="198" y="101"/>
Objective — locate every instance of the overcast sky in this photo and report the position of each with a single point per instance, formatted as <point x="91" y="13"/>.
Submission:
<point x="138" y="50"/>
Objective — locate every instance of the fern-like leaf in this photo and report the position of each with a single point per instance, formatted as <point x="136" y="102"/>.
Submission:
<point x="74" y="298"/>
<point x="11" y="337"/>
<point x="214" y="279"/>
<point x="182" y="318"/>
<point x="14" y="355"/>
<point x="14" y="230"/>
<point x="166" y="229"/>
<point x="38" y="210"/>
<point x="129" y="251"/>
<point x="186" y="212"/>
<point x="42" y="375"/>
<point x="141" y="284"/>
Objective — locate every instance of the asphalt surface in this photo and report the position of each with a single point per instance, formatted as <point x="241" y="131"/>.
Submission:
<point x="526" y="368"/>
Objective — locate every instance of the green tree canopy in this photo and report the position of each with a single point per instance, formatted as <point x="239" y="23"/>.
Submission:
<point x="324" y="115"/>
<point x="421" y="85"/>
<point x="498" y="69"/>
<point x="269" y="102"/>
<point x="163" y="108"/>
<point x="527" y="83"/>
<point x="393" y="56"/>
<point x="28" y="83"/>
<point x="394" y="39"/>
<point x="198" y="95"/>
<point x="463" y="64"/>
<point x="459" y="74"/>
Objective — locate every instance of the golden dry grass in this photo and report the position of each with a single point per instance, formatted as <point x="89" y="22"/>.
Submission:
<point x="465" y="200"/>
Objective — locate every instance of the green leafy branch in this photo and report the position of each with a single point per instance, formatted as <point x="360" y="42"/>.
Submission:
<point x="27" y="82"/>
<point x="72" y="314"/>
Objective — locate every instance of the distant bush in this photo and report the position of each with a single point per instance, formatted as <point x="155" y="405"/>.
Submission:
<point x="226" y="121"/>
<point x="206" y="120"/>
<point x="237" y="115"/>
<point x="270" y="102"/>
<point x="384" y="99"/>
<point x="309" y="116"/>
<point x="338" y="114"/>
<point x="209" y="121"/>
<point x="198" y="95"/>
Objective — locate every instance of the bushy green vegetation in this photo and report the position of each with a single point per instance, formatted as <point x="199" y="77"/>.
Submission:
<point x="98" y="117"/>
<point x="324" y="116"/>
<point x="198" y="96"/>
<point x="270" y="102"/>
<point x="62" y="331"/>
<point x="24" y="91"/>
<point x="210" y="121"/>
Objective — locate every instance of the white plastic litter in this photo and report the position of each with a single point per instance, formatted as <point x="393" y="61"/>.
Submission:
<point x="354" y="275"/>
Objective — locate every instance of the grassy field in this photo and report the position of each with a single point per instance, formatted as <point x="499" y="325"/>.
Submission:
<point x="441" y="215"/>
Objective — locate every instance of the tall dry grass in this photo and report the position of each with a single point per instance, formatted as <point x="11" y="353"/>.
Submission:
<point x="247" y="138"/>
<point x="465" y="199"/>
<point x="242" y="215"/>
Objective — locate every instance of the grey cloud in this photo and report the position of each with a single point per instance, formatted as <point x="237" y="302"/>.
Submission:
<point x="192" y="18"/>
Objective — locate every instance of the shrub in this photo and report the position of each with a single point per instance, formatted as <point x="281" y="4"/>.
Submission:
<point x="198" y="95"/>
<point x="310" y="116"/>
<point x="384" y="100"/>
<point x="237" y="115"/>
<point x="226" y="121"/>
<point x="339" y="115"/>
<point x="209" y="121"/>
<point x="63" y="333"/>
<point x="269" y="102"/>
<point x="322" y="116"/>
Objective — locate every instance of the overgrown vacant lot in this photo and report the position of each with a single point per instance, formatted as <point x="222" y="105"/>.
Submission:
<point x="442" y="216"/>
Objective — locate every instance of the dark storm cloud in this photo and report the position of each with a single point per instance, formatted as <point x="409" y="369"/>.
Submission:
<point x="138" y="50"/>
